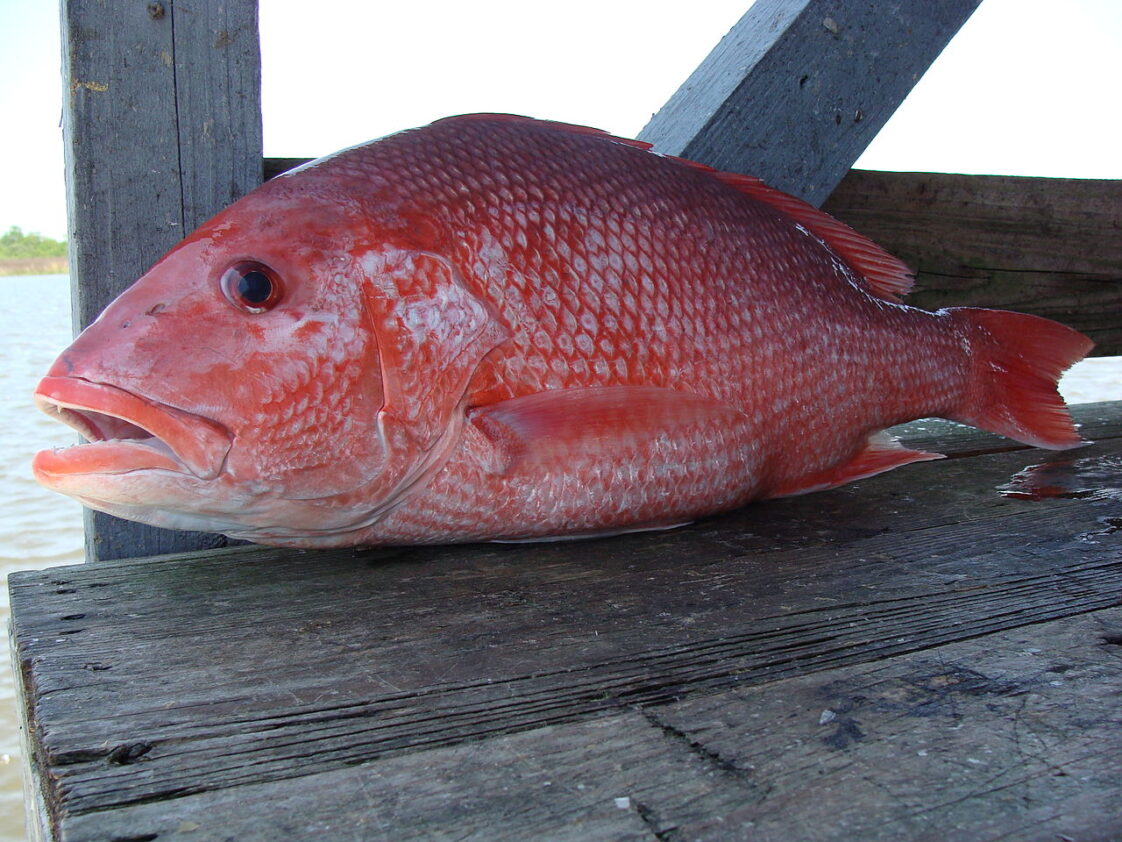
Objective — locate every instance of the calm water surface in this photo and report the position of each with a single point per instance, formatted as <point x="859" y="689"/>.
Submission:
<point x="37" y="528"/>
<point x="41" y="529"/>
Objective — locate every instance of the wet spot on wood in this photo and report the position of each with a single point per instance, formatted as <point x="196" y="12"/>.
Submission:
<point x="845" y="734"/>
<point x="1066" y="478"/>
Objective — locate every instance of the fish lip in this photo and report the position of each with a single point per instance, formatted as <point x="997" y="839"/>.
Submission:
<point x="126" y="432"/>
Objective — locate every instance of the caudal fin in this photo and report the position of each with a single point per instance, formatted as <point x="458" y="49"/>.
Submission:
<point x="1017" y="360"/>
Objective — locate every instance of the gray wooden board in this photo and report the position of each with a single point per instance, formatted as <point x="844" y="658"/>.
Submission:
<point x="206" y="674"/>
<point x="1047" y="246"/>
<point x="162" y="129"/>
<point x="1013" y="736"/>
<point x="798" y="88"/>
<point x="1016" y="735"/>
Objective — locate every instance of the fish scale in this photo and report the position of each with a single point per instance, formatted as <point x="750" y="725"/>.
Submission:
<point x="536" y="331"/>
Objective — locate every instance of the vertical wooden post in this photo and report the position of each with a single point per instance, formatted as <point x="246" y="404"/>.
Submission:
<point x="798" y="88"/>
<point x="162" y="127"/>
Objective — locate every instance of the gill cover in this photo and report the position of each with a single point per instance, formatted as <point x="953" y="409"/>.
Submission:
<point x="432" y="333"/>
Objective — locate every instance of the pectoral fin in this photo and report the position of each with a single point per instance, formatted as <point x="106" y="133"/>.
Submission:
<point x="631" y="424"/>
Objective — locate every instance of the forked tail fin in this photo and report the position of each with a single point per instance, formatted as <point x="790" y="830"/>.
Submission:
<point x="1017" y="360"/>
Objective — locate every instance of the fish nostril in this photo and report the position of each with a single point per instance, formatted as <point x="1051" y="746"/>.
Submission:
<point x="156" y="309"/>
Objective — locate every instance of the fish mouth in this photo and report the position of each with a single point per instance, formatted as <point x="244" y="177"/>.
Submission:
<point x="126" y="433"/>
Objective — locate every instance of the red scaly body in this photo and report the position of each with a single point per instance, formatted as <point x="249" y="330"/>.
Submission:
<point x="535" y="330"/>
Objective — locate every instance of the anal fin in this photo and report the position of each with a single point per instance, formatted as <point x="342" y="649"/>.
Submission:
<point x="881" y="453"/>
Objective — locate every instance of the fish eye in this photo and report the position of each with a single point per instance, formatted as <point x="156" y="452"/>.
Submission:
<point x="251" y="286"/>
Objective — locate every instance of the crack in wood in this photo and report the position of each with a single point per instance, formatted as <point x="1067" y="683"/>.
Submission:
<point x="651" y="819"/>
<point x="710" y="758"/>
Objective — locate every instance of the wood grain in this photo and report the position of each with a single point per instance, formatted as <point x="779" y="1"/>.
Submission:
<point x="190" y="680"/>
<point x="931" y="654"/>
<point x="1047" y="246"/>
<point x="162" y="129"/>
<point x="798" y="88"/>
<point x="1013" y="735"/>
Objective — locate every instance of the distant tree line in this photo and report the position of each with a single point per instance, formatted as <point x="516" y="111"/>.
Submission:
<point x="16" y="244"/>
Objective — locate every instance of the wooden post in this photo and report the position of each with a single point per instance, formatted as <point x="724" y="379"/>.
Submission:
<point x="798" y="88"/>
<point x="162" y="126"/>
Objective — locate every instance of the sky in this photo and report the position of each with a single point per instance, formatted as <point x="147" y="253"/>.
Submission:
<point x="1027" y="87"/>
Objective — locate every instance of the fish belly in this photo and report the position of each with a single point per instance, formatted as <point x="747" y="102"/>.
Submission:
<point x="583" y="462"/>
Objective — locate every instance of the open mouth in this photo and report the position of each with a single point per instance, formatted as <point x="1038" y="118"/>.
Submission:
<point x="126" y="433"/>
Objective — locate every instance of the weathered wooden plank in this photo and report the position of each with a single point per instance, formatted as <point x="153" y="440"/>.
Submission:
<point x="798" y="88"/>
<point x="1048" y="246"/>
<point x="35" y="789"/>
<point x="1012" y="736"/>
<point x="162" y="128"/>
<point x="217" y="102"/>
<point x="1016" y="734"/>
<point x="272" y="167"/>
<point x="602" y="779"/>
<point x="339" y="658"/>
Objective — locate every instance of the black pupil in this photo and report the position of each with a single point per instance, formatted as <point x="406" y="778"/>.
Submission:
<point x="254" y="287"/>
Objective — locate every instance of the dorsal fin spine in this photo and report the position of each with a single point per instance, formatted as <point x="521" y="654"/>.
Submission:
<point x="888" y="277"/>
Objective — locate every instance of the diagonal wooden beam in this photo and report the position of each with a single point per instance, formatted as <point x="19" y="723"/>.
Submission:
<point x="798" y="88"/>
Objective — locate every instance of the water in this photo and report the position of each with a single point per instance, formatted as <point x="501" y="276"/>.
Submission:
<point x="41" y="529"/>
<point x="37" y="527"/>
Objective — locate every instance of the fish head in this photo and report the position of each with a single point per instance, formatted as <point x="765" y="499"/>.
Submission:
<point x="239" y="385"/>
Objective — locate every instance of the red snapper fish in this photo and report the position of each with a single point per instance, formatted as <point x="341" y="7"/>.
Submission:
<point x="497" y="328"/>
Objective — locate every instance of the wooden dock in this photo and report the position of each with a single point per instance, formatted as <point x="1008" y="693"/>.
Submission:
<point x="933" y="654"/>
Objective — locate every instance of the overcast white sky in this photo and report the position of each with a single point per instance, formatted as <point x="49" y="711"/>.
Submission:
<point x="1028" y="87"/>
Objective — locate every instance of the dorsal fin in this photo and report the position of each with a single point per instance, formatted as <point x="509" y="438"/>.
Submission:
<point x="888" y="277"/>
